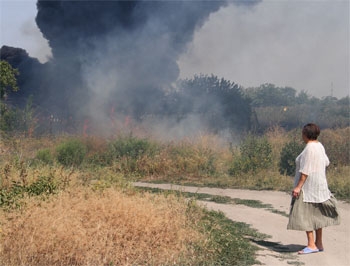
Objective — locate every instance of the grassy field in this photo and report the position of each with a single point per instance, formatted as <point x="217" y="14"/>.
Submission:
<point x="69" y="200"/>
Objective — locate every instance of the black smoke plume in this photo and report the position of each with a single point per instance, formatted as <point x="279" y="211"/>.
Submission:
<point x="119" y="55"/>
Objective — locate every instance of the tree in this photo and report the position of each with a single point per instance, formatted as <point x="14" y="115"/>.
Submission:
<point x="220" y="103"/>
<point x="302" y="97"/>
<point x="8" y="78"/>
<point x="269" y="95"/>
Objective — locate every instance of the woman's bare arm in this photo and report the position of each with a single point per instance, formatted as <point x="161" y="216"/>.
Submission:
<point x="297" y="189"/>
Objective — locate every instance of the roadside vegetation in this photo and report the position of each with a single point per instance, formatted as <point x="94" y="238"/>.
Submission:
<point x="66" y="196"/>
<point x="69" y="200"/>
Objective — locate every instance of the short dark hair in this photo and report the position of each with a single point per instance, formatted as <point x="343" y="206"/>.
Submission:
<point x="311" y="131"/>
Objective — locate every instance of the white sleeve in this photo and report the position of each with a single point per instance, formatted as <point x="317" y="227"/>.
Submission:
<point x="306" y="161"/>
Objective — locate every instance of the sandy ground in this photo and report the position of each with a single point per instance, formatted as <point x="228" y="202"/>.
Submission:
<point x="281" y="249"/>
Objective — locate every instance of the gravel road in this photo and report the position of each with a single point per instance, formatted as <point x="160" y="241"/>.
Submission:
<point x="281" y="249"/>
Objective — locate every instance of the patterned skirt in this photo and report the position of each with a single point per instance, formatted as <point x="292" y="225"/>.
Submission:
<point x="305" y="216"/>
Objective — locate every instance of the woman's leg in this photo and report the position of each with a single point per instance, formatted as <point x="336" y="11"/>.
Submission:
<point x="318" y="241"/>
<point x="310" y="243"/>
<point x="311" y="240"/>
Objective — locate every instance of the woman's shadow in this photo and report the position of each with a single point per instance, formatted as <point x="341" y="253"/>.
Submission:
<point x="277" y="247"/>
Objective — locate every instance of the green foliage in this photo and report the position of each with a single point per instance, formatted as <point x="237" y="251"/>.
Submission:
<point x="219" y="102"/>
<point x="44" y="185"/>
<point x="270" y="95"/>
<point x="10" y="197"/>
<point x="29" y="121"/>
<point x="255" y="154"/>
<point x="71" y="152"/>
<point x="131" y="147"/>
<point x="282" y="106"/>
<point x="127" y="153"/>
<point x="9" y="118"/>
<point x="45" y="156"/>
<point x="8" y="78"/>
<point x="16" y="120"/>
<point x="288" y="155"/>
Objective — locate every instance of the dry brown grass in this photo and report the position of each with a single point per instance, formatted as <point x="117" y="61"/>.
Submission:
<point x="24" y="147"/>
<point x="198" y="158"/>
<point x="337" y="145"/>
<point x="80" y="227"/>
<point x="22" y="173"/>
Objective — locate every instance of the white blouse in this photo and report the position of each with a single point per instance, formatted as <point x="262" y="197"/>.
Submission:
<point x="312" y="161"/>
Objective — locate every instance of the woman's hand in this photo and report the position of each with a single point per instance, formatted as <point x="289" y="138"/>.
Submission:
<point x="297" y="189"/>
<point x="296" y="192"/>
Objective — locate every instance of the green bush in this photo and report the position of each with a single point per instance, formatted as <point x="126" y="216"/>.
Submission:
<point x="255" y="154"/>
<point x="71" y="152"/>
<point x="131" y="147"/>
<point x="44" y="185"/>
<point x="11" y="197"/>
<point x="9" y="118"/>
<point x="44" y="156"/>
<point x="128" y="151"/>
<point x="288" y="155"/>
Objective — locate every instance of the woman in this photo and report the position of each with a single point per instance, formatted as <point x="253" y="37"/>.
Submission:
<point x="313" y="206"/>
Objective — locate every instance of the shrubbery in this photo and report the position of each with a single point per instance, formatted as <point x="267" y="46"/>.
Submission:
<point x="288" y="155"/>
<point x="255" y="154"/>
<point x="44" y="156"/>
<point x="24" y="185"/>
<point x="131" y="147"/>
<point x="10" y="196"/>
<point x="71" y="152"/>
<point x="126" y="152"/>
<point x="259" y="162"/>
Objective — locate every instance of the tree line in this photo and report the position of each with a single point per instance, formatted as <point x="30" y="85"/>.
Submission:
<point x="219" y="103"/>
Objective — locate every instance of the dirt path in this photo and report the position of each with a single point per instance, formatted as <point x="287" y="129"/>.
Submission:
<point x="281" y="248"/>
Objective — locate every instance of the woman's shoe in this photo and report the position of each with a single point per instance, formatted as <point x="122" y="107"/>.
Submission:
<point x="308" y="250"/>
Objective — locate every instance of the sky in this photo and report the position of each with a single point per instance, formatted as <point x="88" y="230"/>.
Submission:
<point x="299" y="44"/>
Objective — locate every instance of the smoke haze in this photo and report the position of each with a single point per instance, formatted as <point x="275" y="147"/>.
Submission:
<point x="300" y="44"/>
<point x="111" y="59"/>
<point x="117" y="54"/>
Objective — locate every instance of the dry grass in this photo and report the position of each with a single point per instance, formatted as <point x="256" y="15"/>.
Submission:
<point x="21" y="172"/>
<point x="96" y="219"/>
<point x="80" y="227"/>
<point x="205" y="156"/>
<point x="24" y="147"/>
<point x="337" y="145"/>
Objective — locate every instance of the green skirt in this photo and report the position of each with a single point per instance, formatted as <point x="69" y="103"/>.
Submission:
<point x="305" y="216"/>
